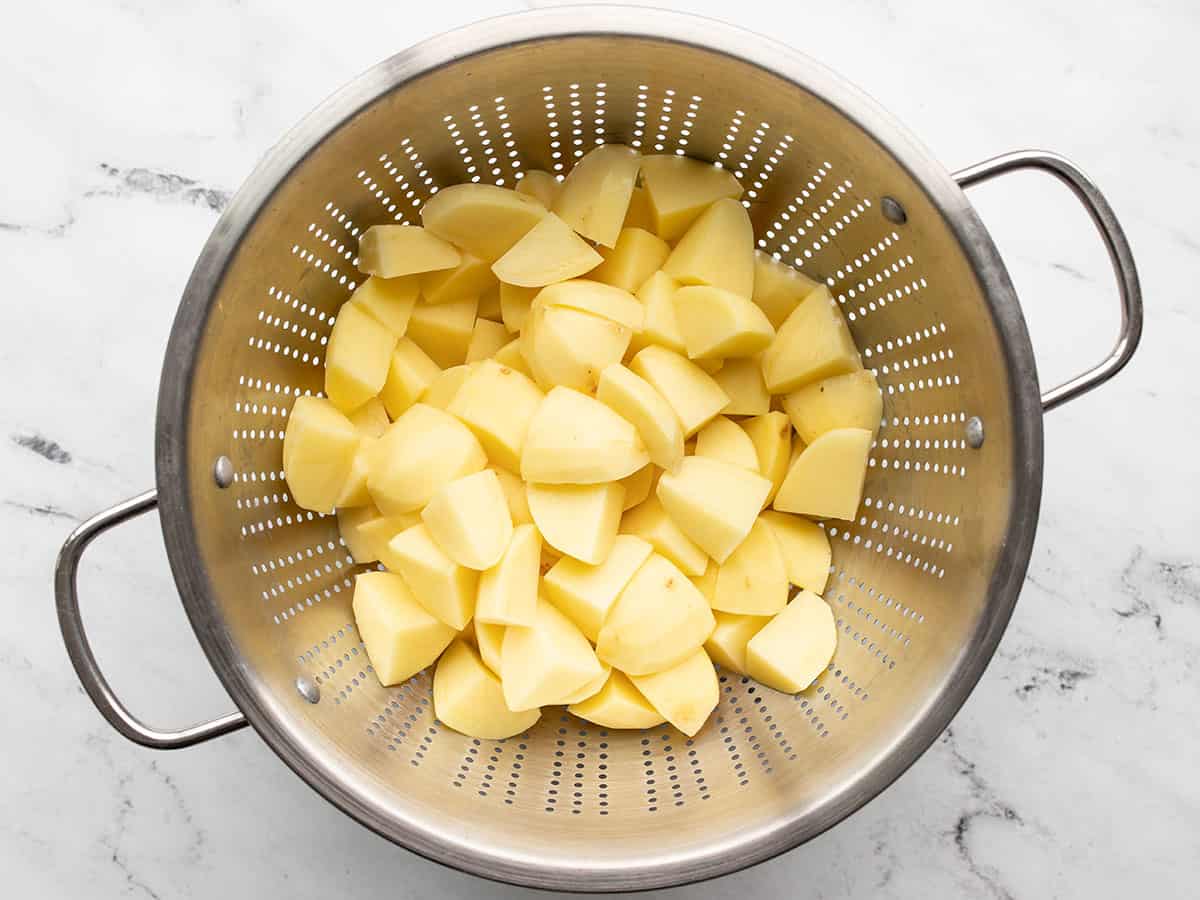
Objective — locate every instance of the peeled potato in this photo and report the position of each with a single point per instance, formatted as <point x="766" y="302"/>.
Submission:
<point x="375" y="534"/>
<point x="445" y="386"/>
<point x="632" y="397"/>
<point x="514" y="494"/>
<point x="692" y="393"/>
<point x="618" y="704"/>
<point x="791" y="650"/>
<point x="570" y="347"/>
<point x="497" y="404"/>
<point x="684" y="694"/>
<point x="546" y="662"/>
<point x="410" y="373"/>
<point x="508" y="592"/>
<point x="354" y="491"/>
<point x="805" y="549"/>
<point x="590" y="688"/>
<point x="585" y="593"/>
<point x="637" y="255"/>
<point x="726" y="645"/>
<point x="639" y="485"/>
<point x="371" y="419"/>
<point x="489" y="641"/>
<point x="813" y="343"/>
<point x="549" y="252"/>
<point x="487" y="338"/>
<point x="444" y="331"/>
<point x="717" y="250"/>
<point x="778" y="288"/>
<point x="390" y="300"/>
<point x="541" y="186"/>
<point x="424" y="449"/>
<point x="356" y="360"/>
<point x="578" y="520"/>
<point x="469" y="520"/>
<point x="852" y="400"/>
<point x="575" y="439"/>
<point x="753" y="581"/>
<point x="390" y="251"/>
<point x="401" y="638"/>
<point x="514" y="305"/>
<point x="714" y="503"/>
<point x="725" y="440"/>
<point x="489" y="304"/>
<point x="771" y="435"/>
<point x="639" y="214"/>
<point x="446" y="589"/>
<point x="680" y="189"/>
<point x="319" y="445"/>
<point x="468" y="697"/>
<point x="599" y="299"/>
<point x="510" y="355"/>
<point x="595" y="196"/>
<point x="742" y="381"/>
<point x="826" y="480"/>
<point x="717" y="323"/>
<point x="350" y="522"/>
<point x="649" y="521"/>
<point x="481" y="219"/>
<point x="659" y="326"/>
<point x="470" y="278"/>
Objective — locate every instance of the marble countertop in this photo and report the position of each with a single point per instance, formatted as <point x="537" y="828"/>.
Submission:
<point x="1071" y="769"/>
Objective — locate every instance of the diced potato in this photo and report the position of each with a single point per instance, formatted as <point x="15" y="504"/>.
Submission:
<point x="445" y="386"/>
<point x="410" y="373"/>
<point x="514" y="494"/>
<point x="778" y="288"/>
<point x="692" y="393"/>
<point x="391" y="251"/>
<point x="549" y="252"/>
<point x="354" y="491"/>
<point x="812" y="344"/>
<point x="486" y="339"/>
<point x="481" y="219"/>
<point x="579" y="520"/>
<point x="371" y="419"/>
<point x="356" y="360"/>
<point x="742" y="381"/>
<point x="585" y="593"/>
<point x="793" y="649"/>
<point x="543" y="663"/>
<point x="576" y="439"/>
<point x="852" y="400"/>
<point x="637" y="255"/>
<point x="318" y="453"/>
<point x="633" y="398"/>
<point x="618" y="704"/>
<point x="714" y="503"/>
<point x="724" y="439"/>
<point x="571" y="347"/>
<point x="468" y="697"/>
<point x="753" y="581"/>
<point x="726" y="645"/>
<point x="640" y="214"/>
<point x="489" y="641"/>
<point x="710" y="366"/>
<point x="805" y="548"/>
<point x="638" y="485"/>
<point x="444" y="331"/>
<point x="684" y="694"/>
<point x="489" y="304"/>
<point x="589" y="689"/>
<point x="390" y="300"/>
<point x="650" y="522"/>
<point x="826" y="480"/>
<point x="423" y="450"/>
<point x="657" y="296"/>
<point x="541" y="186"/>
<point x="470" y="278"/>
<point x="595" y="196"/>
<point x="717" y="250"/>
<point x="510" y="355"/>
<point x="596" y="298"/>
<point x="497" y="404"/>
<point x="514" y="305"/>
<point x="375" y="534"/>
<point x="771" y="435"/>
<point x="350" y="522"/>
<point x="716" y="323"/>
<point x="446" y="589"/>
<point x="707" y="583"/>
<point x="400" y="636"/>
<point x="680" y="189"/>
<point x="508" y="592"/>
<point x="469" y="520"/>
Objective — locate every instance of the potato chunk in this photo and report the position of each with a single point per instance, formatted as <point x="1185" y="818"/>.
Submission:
<point x="541" y="186"/>
<point x="444" y="331"/>
<point x="515" y="303"/>
<point x="481" y="219"/>
<point x="371" y="419"/>
<point x="826" y="480"/>
<point x="446" y="589"/>
<point x="470" y="278"/>
<point x="576" y="439"/>
<point x="390" y="300"/>
<point x="356" y="360"/>
<point x="852" y="400"/>
<point x="497" y="404"/>
<point x="410" y="373"/>
<point x="487" y="338"/>
<point x="319" y="445"/>
<point x="570" y="347"/>
<point x="680" y="189"/>
<point x="469" y="698"/>
<point x="684" y="694"/>
<point x="424" y="449"/>
<point x="639" y="485"/>
<point x="742" y="381"/>
<point x="813" y="343"/>
<point x="692" y="393"/>
<point x="595" y="196"/>
<point x="649" y="521"/>
<point x="657" y="295"/>
<point x="597" y="298"/>
<point x="771" y="435"/>
<point x="714" y="503"/>
<point x="726" y="645"/>
<point x="716" y="323"/>
<point x="618" y="704"/>
<point x="637" y="255"/>
<point x="778" y="288"/>
<point x="544" y="663"/>
<point x="753" y="581"/>
<point x="793" y="649"/>
<point x="391" y="251"/>
<point x="549" y="252"/>
<point x="400" y="636"/>
<point x="578" y="520"/>
<point x="725" y="440"/>
<point x="508" y="591"/>
<point x="633" y="398"/>
<point x="585" y="593"/>
<point x="717" y="250"/>
<point x="444" y="386"/>
<point x="469" y="520"/>
<point x="805" y="548"/>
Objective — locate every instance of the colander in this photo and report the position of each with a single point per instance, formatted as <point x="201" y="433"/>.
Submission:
<point x="922" y="583"/>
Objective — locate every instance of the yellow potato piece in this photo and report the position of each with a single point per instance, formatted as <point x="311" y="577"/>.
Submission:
<point x="636" y="401"/>
<point x="598" y="299"/>
<point x="371" y="419"/>
<point x="639" y="485"/>
<point x="589" y="689"/>
<point x="409" y="375"/>
<point x="707" y="582"/>
<point x="650" y="522"/>
<point x="805" y="548"/>
<point x="469" y="698"/>
<point x="549" y="252"/>
<point x="350" y="523"/>
<point x="714" y="503"/>
<point x="541" y="186"/>
<point x="514" y="494"/>
<point x="637" y="255"/>
<point x="680" y="189"/>
<point x="658" y="620"/>
<point x="508" y="591"/>
<point x="771" y="435"/>
<point x="319" y="445"/>
<point x="618" y="704"/>
<point x="497" y="404"/>
<point x="595" y="196"/>
<point x="812" y="344"/>
<point x="446" y="589"/>
<point x="544" y="663"/>
<point x="481" y="219"/>
<point x="742" y="381"/>
<point x="469" y="520"/>
<point x="356" y="360"/>
<point x="354" y="491"/>
<point x="794" y="648"/>
<point x="401" y="638"/>
<point x="640" y="214"/>
<point x="445" y="386"/>
<point x="852" y="400"/>
<point x="486" y="340"/>
<point x="576" y="439"/>
<point x="376" y="533"/>
<point x="753" y="581"/>
<point x="578" y="520"/>
<point x="391" y="251"/>
<point x="724" y="439"/>
<point x="510" y="355"/>
<point x="585" y="593"/>
<point x="692" y="393"/>
<point x="470" y="278"/>
<point x="726" y="645"/>
<point x="489" y="641"/>
<point x="657" y="296"/>
<point x="826" y="480"/>
<point x="570" y="347"/>
<point x="389" y="300"/>
<point x="444" y="331"/>
<point x="489" y="305"/>
<point x="716" y="323"/>
<point x="717" y="250"/>
<point x="514" y="305"/>
<point x="685" y="694"/>
<point x="778" y="288"/>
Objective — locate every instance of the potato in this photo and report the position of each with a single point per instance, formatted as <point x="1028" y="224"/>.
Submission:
<point x="488" y="640"/>
<point x="714" y="503"/>
<point x="371" y="419"/>
<point x="410" y="373"/>
<point x="657" y="296"/>
<point x="684" y="694"/>
<point x="753" y="581"/>
<point x="640" y="214"/>
<point x="575" y="439"/>
<point x="319" y="445"/>
<point x="489" y="305"/>
<point x="716" y="323"/>
<point x="356" y="360"/>
<point x="707" y="582"/>
<point x="793" y="649"/>
<point x="595" y="196"/>
<point x="778" y="288"/>
<point x="805" y="548"/>
<point x="389" y="300"/>
<point x="771" y="435"/>
<point x="637" y="255"/>
<point x="638" y="485"/>
<point x="632" y="398"/>
<point x="391" y="251"/>
<point x="481" y="219"/>
<point x="598" y="299"/>
<point x="680" y="189"/>
<point x="659" y="619"/>
<point x="549" y="252"/>
<point x="446" y="589"/>
<point x="589" y="689"/>
<point x="486" y="340"/>
<point x="726" y="646"/>
<point x="618" y="704"/>
<point x="571" y="347"/>
<point x="445" y="386"/>
<point x="350" y="522"/>
<point x="650" y="522"/>
<point x="497" y="404"/>
<point x="585" y="593"/>
<point x="812" y="344"/>
<point x="543" y="663"/>
<point x="709" y="366"/>
<point x="423" y="450"/>
<point x="541" y="186"/>
<point x="444" y="331"/>
<point x="514" y="305"/>
<point x="579" y="520"/>
<point x="724" y="439"/>
<point x="693" y="394"/>
<point x="469" y="520"/>
<point x="469" y="698"/>
<point x="510" y="355"/>
<point x="401" y="638"/>
<point x="852" y="400"/>
<point x="354" y="491"/>
<point x="508" y="592"/>
<point x="470" y="278"/>
<point x="375" y="534"/>
<point x="514" y="494"/>
<point x="717" y="250"/>
<point x="742" y="381"/>
<point x="826" y="480"/>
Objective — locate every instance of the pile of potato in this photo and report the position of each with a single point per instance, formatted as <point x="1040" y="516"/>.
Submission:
<point x="580" y="424"/>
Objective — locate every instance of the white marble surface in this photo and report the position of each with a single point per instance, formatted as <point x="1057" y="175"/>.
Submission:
<point x="1071" y="770"/>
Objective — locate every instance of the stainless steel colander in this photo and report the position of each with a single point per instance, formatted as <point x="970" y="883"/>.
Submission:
<point x="923" y="582"/>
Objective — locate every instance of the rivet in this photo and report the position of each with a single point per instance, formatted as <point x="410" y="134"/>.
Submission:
<point x="975" y="432"/>
<point x="223" y="471"/>
<point x="308" y="690"/>
<point x="892" y="210"/>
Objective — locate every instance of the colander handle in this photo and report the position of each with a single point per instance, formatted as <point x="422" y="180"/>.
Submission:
<point x="1114" y="242"/>
<point x="66" y="593"/>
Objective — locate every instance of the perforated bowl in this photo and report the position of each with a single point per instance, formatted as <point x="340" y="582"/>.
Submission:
<point x="923" y="581"/>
